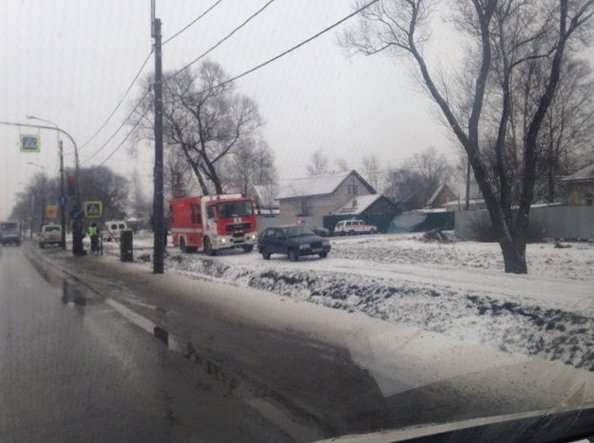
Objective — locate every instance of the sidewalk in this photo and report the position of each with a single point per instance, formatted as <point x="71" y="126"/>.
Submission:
<point x="329" y="371"/>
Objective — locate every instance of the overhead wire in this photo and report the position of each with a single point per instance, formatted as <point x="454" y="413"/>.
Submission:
<point x="117" y="106"/>
<point x="137" y="76"/>
<point x="255" y="68"/>
<point x="117" y="148"/>
<point x="100" y="148"/>
<point x="221" y="41"/>
<point x="288" y="51"/>
<point x="192" y="22"/>
<point x="237" y="28"/>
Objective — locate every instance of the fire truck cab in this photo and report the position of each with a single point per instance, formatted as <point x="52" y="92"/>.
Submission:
<point x="213" y="223"/>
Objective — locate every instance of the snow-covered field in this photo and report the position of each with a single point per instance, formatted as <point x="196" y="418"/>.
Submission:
<point x="458" y="289"/>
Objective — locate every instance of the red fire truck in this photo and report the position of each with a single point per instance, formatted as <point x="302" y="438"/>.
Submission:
<point x="213" y="222"/>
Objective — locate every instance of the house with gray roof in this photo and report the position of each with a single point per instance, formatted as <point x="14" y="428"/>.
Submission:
<point x="321" y="194"/>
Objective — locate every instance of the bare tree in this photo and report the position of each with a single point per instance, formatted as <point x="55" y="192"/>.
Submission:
<point x="203" y="119"/>
<point x="178" y="174"/>
<point x="413" y="183"/>
<point x="372" y="170"/>
<point x="319" y="164"/>
<point x="341" y="165"/>
<point x="252" y="163"/>
<point x="506" y="34"/>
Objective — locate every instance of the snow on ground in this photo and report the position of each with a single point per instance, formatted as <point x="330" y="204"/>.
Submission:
<point x="458" y="289"/>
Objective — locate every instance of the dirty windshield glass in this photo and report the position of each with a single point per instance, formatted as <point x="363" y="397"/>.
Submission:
<point x="235" y="209"/>
<point x="296" y="220"/>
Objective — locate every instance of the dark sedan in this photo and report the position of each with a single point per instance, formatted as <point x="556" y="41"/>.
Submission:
<point x="294" y="241"/>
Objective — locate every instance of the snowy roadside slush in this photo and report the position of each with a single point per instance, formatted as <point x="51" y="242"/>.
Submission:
<point x="547" y="328"/>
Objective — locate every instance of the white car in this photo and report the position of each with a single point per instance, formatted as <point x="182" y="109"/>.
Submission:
<point x="113" y="229"/>
<point x="352" y="227"/>
<point x="50" y="235"/>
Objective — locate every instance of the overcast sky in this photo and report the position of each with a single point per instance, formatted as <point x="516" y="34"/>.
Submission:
<point x="70" y="61"/>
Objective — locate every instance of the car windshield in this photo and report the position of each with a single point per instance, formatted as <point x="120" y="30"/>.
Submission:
<point x="298" y="231"/>
<point x="235" y="209"/>
<point x="295" y="221"/>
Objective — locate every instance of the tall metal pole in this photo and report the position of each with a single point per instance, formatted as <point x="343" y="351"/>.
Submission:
<point x="62" y="199"/>
<point x="158" y="229"/>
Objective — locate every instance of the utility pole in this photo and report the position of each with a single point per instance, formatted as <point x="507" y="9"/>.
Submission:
<point x="158" y="228"/>
<point x="62" y="198"/>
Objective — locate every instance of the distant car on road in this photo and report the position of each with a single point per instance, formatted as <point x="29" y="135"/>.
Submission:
<point x="293" y="240"/>
<point x="10" y="233"/>
<point x="352" y="227"/>
<point x="113" y="229"/>
<point x="50" y="234"/>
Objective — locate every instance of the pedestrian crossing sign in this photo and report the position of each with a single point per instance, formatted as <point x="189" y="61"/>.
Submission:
<point x="93" y="209"/>
<point x="30" y="143"/>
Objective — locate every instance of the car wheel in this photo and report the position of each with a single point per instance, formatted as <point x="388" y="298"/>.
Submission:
<point x="248" y="248"/>
<point x="182" y="245"/>
<point x="208" y="250"/>
<point x="41" y="245"/>
<point x="351" y="232"/>
<point x="293" y="255"/>
<point x="323" y="254"/>
<point x="265" y="254"/>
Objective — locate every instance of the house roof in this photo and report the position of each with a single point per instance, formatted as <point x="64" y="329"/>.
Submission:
<point x="584" y="174"/>
<point x="266" y="196"/>
<point x="437" y="192"/>
<point x="362" y="203"/>
<point x="317" y="185"/>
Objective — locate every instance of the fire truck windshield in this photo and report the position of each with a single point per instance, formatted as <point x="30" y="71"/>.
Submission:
<point x="235" y="209"/>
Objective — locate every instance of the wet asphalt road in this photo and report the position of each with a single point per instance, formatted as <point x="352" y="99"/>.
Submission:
<point x="71" y="373"/>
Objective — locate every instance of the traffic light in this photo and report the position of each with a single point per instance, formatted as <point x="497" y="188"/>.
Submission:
<point x="70" y="184"/>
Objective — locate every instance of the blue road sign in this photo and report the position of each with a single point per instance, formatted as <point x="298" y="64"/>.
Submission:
<point x="62" y="200"/>
<point x="77" y="213"/>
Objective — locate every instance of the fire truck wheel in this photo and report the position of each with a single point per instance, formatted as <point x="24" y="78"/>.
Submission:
<point x="208" y="247"/>
<point x="182" y="245"/>
<point x="248" y="248"/>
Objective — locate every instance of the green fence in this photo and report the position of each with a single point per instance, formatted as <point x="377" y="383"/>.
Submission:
<point x="422" y="221"/>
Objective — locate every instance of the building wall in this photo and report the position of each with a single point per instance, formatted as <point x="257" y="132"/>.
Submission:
<point x="323" y="205"/>
<point x="570" y="222"/>
<point x="577" y="193"/>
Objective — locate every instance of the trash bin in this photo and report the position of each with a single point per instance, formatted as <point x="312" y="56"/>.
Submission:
<point x="126" y="245"/>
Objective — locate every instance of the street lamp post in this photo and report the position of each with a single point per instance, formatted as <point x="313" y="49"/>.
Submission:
<point x="77" y="228"/>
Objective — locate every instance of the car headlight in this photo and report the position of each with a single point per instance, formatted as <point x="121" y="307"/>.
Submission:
<point x="254" y="236"/>
<point x="223" y="241"/>
<point x="304" y="246"/>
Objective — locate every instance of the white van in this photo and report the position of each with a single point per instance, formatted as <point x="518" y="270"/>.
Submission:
<point x="113" y="229"/>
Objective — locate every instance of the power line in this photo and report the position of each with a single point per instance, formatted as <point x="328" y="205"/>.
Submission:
<point x="192" y="22"/>
<point x="216" y="45"/>
<point x="118" y="129"/>
<point x="288" y="51"/>
<point x="121" y="143"/>
<point x="173" y="75"/>
<point x="111" y="114"/>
